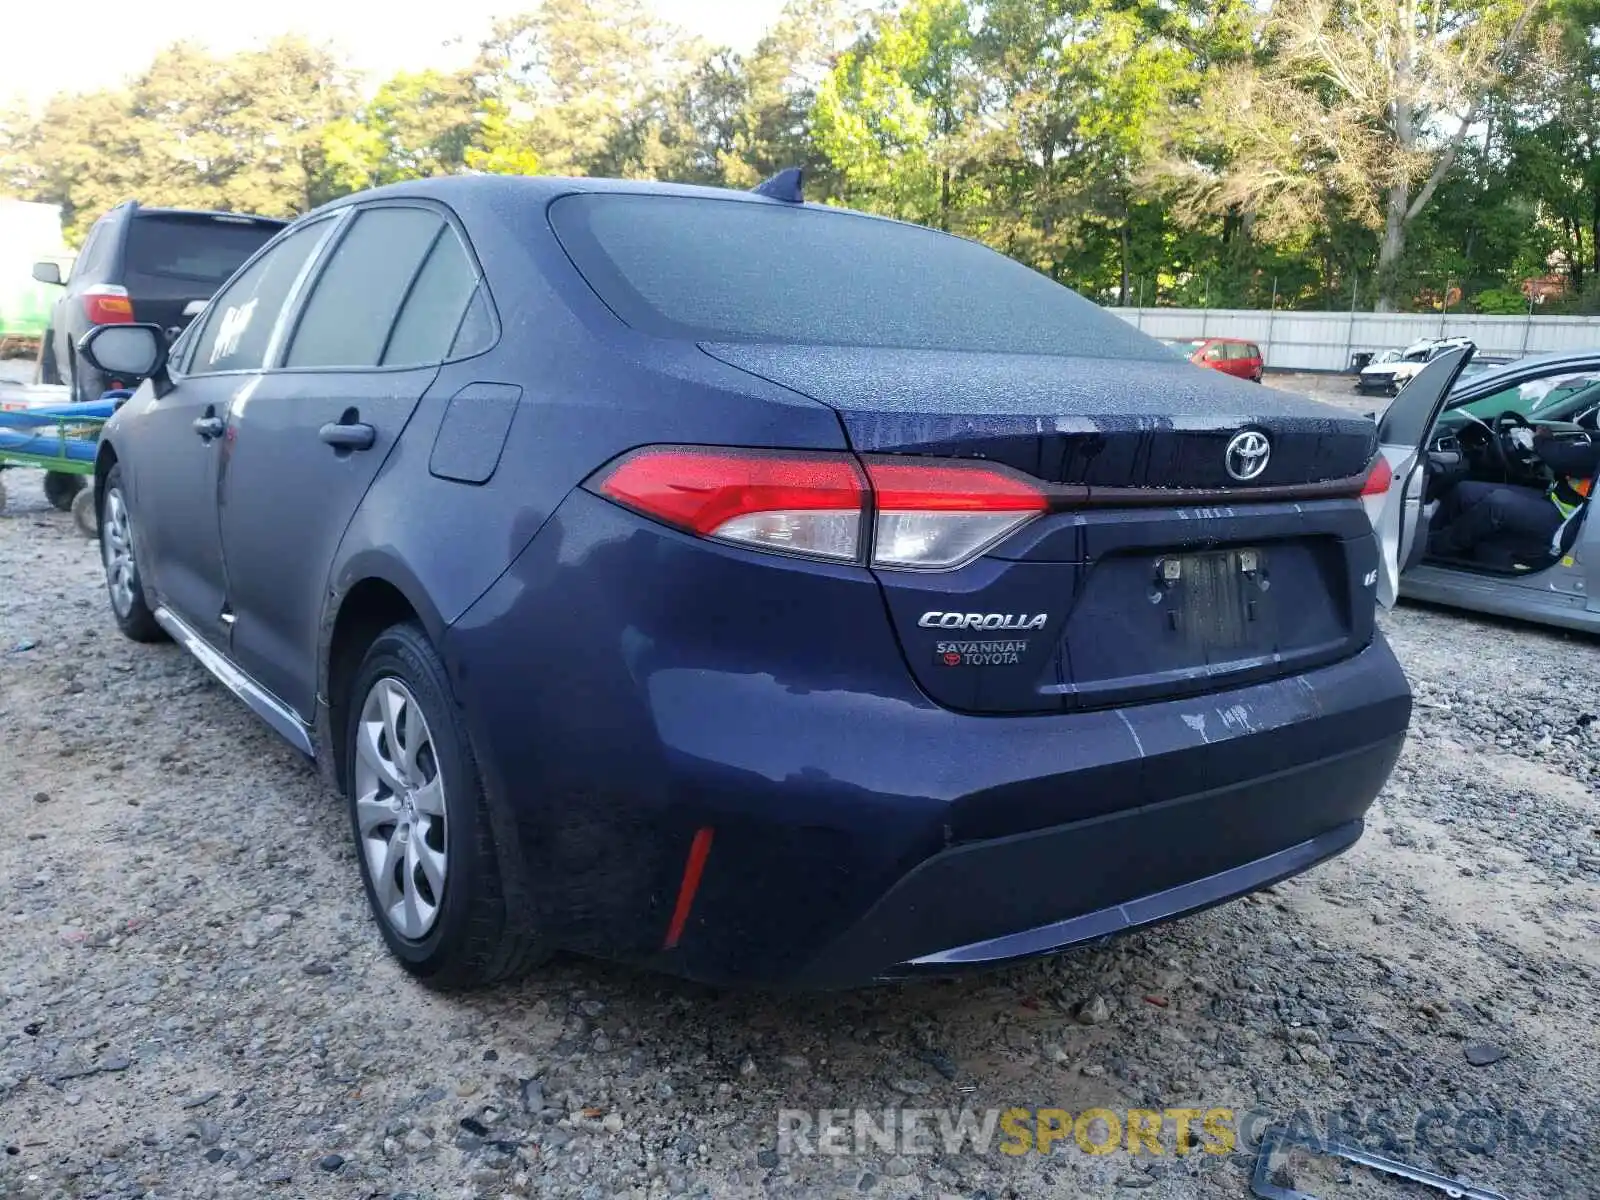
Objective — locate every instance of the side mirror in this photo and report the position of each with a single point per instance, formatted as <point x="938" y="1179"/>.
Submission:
<point x="47" y="272"/>
<point x="125" y="351"/>
<point x="193" y="309"/>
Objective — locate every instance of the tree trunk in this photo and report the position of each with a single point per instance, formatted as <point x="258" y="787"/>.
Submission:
<point x="1392" y="249"/>
<point x="944" y="199"/>
<point x="1594" y="233"/>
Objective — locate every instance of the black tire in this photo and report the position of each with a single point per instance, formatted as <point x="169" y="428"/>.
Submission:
<point x="138" y="622"/>
<point x="87" y="385"/>
<point x="62" y="489"/>
<point x="49" y="373"/>
<point x="480" y="935"/>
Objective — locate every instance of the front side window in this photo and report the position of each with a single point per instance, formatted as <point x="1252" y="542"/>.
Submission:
<point x="353" y="305"/>
<point x="1217" y="353"/>
<point x="1549" y="397"/>
<point x="241" y="320"/>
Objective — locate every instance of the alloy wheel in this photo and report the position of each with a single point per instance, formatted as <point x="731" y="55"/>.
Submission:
<point x="116" y="549"/>
<point x="400" y="808"/>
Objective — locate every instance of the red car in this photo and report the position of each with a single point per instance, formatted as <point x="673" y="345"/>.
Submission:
<point x="1231" y="356"/>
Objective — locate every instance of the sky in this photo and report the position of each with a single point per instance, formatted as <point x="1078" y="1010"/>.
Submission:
<point x="108" y="40"/>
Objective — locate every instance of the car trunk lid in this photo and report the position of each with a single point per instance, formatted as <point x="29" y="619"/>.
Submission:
<point x="1102" y="422"/>
<point x="1158" y="572"/>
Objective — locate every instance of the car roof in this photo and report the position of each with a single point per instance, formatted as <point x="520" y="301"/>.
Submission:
<point x="141" y="210"/>
<point x="1576" y="359"/>
<point x="467" y="192"/>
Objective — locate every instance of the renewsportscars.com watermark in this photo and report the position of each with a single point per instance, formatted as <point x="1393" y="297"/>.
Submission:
<point x="843" y="1132"/>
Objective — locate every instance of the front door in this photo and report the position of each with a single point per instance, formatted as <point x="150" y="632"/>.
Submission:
<point x="175" y="486"/>
<point x="1397" y="516"/>
<point x="173" y="497"/>
<point x="307" y="443"/>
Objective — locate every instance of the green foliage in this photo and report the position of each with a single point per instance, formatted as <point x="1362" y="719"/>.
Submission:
<point x="1499" y="301"/>
<point x="1160" y="151"/>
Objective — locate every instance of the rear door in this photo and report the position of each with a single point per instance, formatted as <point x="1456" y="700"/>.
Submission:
<point x="306" y="444"/>
<point x="1403" y="431"/>
<point x="170" y="260"/>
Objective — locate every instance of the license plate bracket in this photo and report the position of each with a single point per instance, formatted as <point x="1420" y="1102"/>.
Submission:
<point x="1218" y="601"/>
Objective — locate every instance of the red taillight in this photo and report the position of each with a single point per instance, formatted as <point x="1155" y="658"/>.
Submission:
<point x="944" y="486"/>
<point x="107" y="304"/>
<point x="929" y="514"/>
<point x="1379" y="479"/>
<point x="803" y="503"/>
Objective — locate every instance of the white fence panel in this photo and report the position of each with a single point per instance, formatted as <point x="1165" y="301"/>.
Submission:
<point x="1324" y="341"/>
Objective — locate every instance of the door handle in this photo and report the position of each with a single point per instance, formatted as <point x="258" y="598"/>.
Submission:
<point x="208" y="427"/>
<point x="348" y="435"/>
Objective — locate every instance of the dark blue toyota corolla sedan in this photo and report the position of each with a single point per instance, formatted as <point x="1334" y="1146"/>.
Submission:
<point x="749" y="589"/>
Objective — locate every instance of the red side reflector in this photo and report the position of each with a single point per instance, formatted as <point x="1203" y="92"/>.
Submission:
<point x="1379" y="479"/>
<point x="693" y="868"/>
<point x="703" y="489"/>
<point x="923" y="485"/>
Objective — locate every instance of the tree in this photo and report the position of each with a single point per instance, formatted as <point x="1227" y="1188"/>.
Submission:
<point x="243" y="133"/>
<point x="892" y="114"/>
<point x="1358" y="106"/>
<point x="1554" y="136"/>
<point x="568" y="76"/>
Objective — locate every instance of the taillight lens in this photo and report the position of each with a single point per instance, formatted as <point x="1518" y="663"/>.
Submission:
<point x="940" y="514"/>
<point x="800" y="503"/>
<point x="1378" y="479"/>
<point x="107" y="304"/>
<point x="929" y="514"/>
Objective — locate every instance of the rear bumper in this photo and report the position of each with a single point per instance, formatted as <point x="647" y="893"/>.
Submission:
<point x="1044" y="892"/>
<point x="858" y="830"/>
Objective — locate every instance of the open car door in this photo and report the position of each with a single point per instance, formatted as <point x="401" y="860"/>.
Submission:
<point x="1403" y="430"/>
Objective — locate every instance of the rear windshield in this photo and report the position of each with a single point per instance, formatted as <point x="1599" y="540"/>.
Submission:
<point x="202" y="249"/>
<point x="732" y="271"/>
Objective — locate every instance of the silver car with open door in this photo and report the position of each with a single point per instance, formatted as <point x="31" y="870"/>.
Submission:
<point x="1442" y="429"/>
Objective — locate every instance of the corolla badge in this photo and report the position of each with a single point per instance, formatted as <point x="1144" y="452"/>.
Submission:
<point x="955" y="620"/>
<point x="1247" y="455"/>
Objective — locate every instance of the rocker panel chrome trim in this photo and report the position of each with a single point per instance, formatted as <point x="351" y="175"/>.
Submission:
<point x="263" y="703"/>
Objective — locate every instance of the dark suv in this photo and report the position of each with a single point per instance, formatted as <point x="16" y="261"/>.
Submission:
<point x="141" y="264"/>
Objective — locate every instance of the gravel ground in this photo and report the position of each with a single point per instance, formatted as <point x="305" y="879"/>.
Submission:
<point x="193" y="1000"/>
<point x="1338" y="389"/>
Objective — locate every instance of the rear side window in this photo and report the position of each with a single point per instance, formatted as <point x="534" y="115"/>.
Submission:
<point x="240" y="321"/>
<point x="91" y="258"/>
<point x="199" y="250"/>
<point x="1255" y="351"/>
<point x="432" y="311"/>
<point x="353" y="305"/>
<point x="477" y="328"/>
<point x="731" y="270"/>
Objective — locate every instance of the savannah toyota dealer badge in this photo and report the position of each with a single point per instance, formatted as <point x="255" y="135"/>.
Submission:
<point x="991" y="653"/>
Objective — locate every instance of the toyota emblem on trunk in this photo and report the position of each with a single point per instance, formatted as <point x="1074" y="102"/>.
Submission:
<point x="1247" y="455"/>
